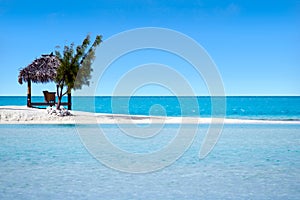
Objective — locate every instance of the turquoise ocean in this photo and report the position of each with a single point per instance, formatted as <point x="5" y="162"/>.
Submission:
<point x="250" y="161"/>
<point x="284" y="108"/>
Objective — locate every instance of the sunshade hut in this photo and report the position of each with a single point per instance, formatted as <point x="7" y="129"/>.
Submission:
<point x="41" y="70"/>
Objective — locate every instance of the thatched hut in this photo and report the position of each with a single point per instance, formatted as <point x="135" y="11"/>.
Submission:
<point x="41" y="70"/>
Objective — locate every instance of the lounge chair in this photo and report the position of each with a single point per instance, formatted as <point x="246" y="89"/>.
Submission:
<point x="49" y="97"/>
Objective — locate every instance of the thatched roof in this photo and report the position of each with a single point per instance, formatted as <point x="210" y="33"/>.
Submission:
<point x="41" y="70"/>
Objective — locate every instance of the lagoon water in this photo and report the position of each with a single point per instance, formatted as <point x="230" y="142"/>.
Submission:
<point x="250" y="161"/>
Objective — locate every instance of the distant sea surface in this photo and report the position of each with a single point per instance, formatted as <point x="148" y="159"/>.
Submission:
<point x="240" y="107"/>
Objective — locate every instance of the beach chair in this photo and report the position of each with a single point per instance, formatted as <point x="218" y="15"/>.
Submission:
<point x="49" y="97"/>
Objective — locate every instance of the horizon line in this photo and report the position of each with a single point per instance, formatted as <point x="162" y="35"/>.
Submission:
<point x="243" y="95"/>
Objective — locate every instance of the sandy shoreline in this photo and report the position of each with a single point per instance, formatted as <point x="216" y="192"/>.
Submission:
<point x="25" y="115"/>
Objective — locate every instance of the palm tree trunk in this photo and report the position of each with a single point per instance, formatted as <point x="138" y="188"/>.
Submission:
<point x="69" y="100"/>
<point x="59" y="96"/>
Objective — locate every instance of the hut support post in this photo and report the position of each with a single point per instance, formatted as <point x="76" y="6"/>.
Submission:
<point x="69" y="101"/>
<point x="29" y="93"/>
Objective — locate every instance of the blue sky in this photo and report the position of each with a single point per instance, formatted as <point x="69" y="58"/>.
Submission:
<point x="255" y="44"/>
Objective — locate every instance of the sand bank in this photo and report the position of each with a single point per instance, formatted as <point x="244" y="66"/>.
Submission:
<point x="25" y="115"/>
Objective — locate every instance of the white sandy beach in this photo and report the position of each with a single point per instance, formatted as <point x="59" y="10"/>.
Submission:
<point x="25" y="115"/>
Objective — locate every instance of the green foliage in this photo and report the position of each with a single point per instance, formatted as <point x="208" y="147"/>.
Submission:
<point x="75" y="65"/>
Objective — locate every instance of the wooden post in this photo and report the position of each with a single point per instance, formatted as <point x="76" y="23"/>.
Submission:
<point x="69" y="101"/>
<point x="29" y="93"/>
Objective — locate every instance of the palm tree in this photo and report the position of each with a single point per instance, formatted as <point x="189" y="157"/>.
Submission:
<point x="75" y="69"/>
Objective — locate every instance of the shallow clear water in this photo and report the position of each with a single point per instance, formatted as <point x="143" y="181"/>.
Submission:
<point x="248" y="162"/>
